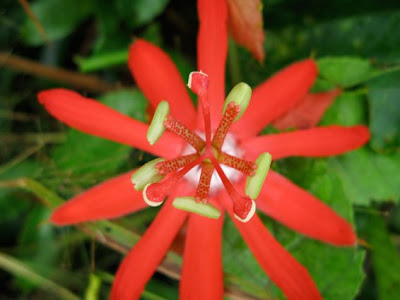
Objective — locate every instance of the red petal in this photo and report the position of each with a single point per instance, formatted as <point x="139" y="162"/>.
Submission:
<point x="110" y="199"/>
<point x="277" y="96"/>
<point x="159" y="79"/>
<point x="301" y="211"/>
<point x="282" y="268"/>
<point x="308" y="112"/>
<point x="95" y="118"/>
<point x="212" y="43"/>
<point x="139" y="265"/>
<point x="245" y="21"/>
<point x="314" y="142"/>
<point x="202" y="276"/>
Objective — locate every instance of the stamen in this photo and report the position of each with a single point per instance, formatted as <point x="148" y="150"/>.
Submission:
<point x="203" y="189"/>
<point x="230" y="114"/>
<point x="244" y="166"/>
<point x="243" y="207"/>
<point x="188" y="135"/>
<point x="155" y="193"/>
<point x="240" y="95"/>
<point x="156" y="128"/>
<point x="254" y="183"/>
<point x="168" y="166"/>
<point x="146" y="174"/>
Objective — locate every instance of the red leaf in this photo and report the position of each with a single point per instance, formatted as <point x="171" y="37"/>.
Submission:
<point x="246" y="25"/>
<point x="308" y="112"/>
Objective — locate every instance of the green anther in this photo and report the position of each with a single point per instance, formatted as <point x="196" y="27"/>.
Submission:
<point x="190" y="205"/>
<point x="156" y="128"/>
<point x="254" y="183"/>
<point x="240" y="94"/>
<point x="146" y="174"/>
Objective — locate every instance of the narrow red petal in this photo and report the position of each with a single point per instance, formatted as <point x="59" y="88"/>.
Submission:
<point x="281" y="267"/>
<point x="308" y="111"/>
<point x="141" y="262"/>
<point x="314" y="142"/>
<point x="95" y="118"/>
<point x="202" y="276"/>
<point x="110" y="199"/>
<point x="159" y="79"/>
<point x="276" y="96"/>
<point x="301" y="211"/>
<point x="212" y="43"/>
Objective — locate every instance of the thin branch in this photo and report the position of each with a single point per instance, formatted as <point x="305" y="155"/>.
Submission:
<point x="20" y="157"/>
<point x="17" y="116"/>
<point x="25" y="5"/>
<point x="86" y="82"/>
<point x="29" y="137"/>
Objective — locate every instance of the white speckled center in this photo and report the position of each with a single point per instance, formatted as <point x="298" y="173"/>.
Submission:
<point x="230" y="146"/>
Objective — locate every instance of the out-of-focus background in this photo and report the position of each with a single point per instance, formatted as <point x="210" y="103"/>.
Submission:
<point x="82" y="45"/>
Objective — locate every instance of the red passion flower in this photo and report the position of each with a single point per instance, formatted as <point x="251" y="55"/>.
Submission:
<point x="206" y="158"/>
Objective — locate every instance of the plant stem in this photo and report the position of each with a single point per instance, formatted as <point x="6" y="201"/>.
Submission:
<point x="25" y="5"/>
<point x="17" y="268"/>
<point x="77" y="80"/>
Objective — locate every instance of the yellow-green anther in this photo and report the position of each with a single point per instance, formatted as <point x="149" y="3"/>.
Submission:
<point x="146" y="174"/>
<point x="254" y="183"/>
<point x="156" y="128"/>
<point x="240" y="94"/>
<point x="190" y="205"/>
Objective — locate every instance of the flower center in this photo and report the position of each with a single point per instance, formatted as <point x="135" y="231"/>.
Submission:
<point x="213" y="154"/>
<point x="230" y="147"/>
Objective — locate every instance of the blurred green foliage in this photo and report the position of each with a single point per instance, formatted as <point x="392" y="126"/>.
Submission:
<point x="357" y="47"/>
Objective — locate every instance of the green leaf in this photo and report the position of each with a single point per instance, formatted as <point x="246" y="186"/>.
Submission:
<point x="238" y="261"/>
<point x="348" y="109"/>
<point x="385" y="257"/>
<point x="58" y="18"/>
<point x="384" y="100"/>
<point x="371" y="34"/>
<point x="38" y="241"/>
<point x="12" y="204"/>
<point x="110" y="35"/>
<point x="344" y="71"/>
<point x="367" y="176"/>
<point x="138" y="13"/>
<point x="85" y="154"/>
<point x="102" y="60"/>
<point x="158" y="290"/>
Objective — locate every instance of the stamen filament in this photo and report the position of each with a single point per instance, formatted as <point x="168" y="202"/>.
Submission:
<point x="229" y="116"/>
<point x="244" y="166"/>
<point x="203" y="189"/>
<point x="181" y="130"/>
<point x="167" y="166"/>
